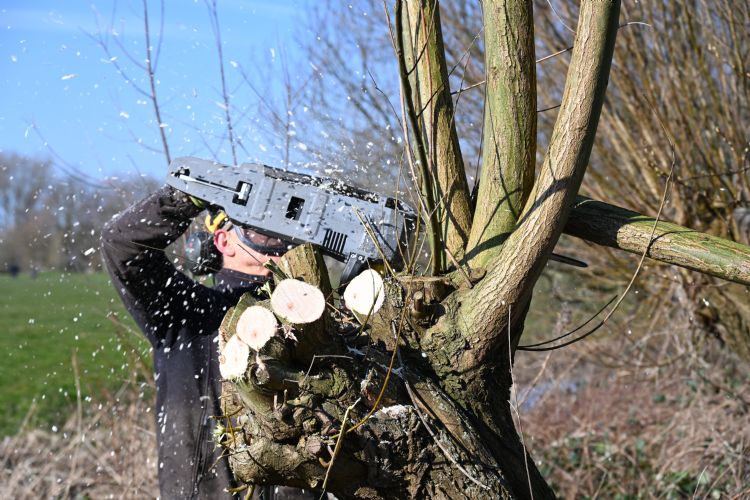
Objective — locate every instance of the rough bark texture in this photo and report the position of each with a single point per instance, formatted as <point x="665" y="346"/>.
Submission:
<point x="407" y="61"/>
<point x="438" y="124"/>
<point x="471" y="345"/>
<point x="617" y="227"/>
<point x="509" y="142"/>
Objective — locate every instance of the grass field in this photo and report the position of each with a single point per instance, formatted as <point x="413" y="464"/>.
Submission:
<point x="44" y="322"/>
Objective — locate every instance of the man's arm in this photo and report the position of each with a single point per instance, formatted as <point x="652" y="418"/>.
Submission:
<point x="157" y="295"/>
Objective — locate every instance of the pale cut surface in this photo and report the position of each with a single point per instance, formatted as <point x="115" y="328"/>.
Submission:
<point x="364" y="294"/>
<point x="233" y="358"/>
<point x="256" y="326"/>
<point x="297" y="302"/>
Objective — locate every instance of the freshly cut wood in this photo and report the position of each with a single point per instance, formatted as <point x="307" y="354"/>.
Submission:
<point x="297" y="302"/>
<point x="256" y="326"/>
<point x="233" y="358"/>
<point x="364" y="294"/>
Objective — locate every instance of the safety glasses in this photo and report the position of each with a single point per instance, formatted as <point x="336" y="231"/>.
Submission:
<point x="262" y="243"/>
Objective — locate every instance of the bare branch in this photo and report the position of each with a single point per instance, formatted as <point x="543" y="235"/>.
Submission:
<point x="426" y="180"/>
<point x="213" y="15"/>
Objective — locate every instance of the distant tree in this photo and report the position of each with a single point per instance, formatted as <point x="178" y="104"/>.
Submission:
<point x="51" y="220"/>
<point x="24" y="183"/>
<point x="79" y="211"/>
<point x="24" y="186"/>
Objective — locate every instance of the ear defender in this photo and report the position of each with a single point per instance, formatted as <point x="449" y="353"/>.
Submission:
<point x="202" y="254"/>
<point x="200" y="250"/>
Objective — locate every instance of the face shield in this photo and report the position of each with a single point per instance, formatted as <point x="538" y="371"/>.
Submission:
<point x="262" y="243"/>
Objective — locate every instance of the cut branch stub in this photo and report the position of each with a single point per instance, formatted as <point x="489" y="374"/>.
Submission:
<point x="297" y="302"/>
<point x="364" y="294"/>
<point x="306" y="263"/>
<point x="233" y="358"/>
<point x="256" y="326"/>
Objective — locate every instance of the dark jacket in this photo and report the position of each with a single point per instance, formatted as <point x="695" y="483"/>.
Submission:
<point x="180" y="318"/>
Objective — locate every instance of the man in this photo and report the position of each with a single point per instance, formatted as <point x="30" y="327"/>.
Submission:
<point x="180" y="318"/>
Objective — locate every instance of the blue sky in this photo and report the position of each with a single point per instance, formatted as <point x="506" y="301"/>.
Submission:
<point x="62" y="98"/>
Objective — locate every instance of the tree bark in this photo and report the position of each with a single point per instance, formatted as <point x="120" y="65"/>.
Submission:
<point x="438" y="124"/>
<point x="503" y="295"/>
<point x="616" y="227"/>
<point x="509" y="142"/>
<point x="407" y="61"/>
<point x="471" y="346"/>
<point x="283" y="422"/>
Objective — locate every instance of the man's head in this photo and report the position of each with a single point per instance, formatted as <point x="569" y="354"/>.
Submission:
<point x="244" y="249"/>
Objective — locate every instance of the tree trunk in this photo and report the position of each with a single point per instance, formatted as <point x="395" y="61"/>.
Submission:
<point x="283" y="423"/>
<point x="437" y="121"/>
<point x="431" y="418"/>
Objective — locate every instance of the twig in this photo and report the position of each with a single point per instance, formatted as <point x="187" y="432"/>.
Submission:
<point x="571" y="332"/>
<point x="459" y="267"/>
<point x="337" y="448"/>
<point x="214" y="18"/>
<point x="550" y="56"/>
<point x="316" y="357"/>
<point x="559" y="17"/>
<point x="371" y="234"/>
<point x="79" y="423"/>
<point x="514" y="407"/>
<point x="408" y="149"/>
<point x="549" y="108"/>
<point x="536" y="378"/>
<point x="410" y="258"/>
<point x="152" y="83"/>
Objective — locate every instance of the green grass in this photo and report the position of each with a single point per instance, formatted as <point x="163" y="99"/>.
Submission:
<point x="44" y="321"/>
